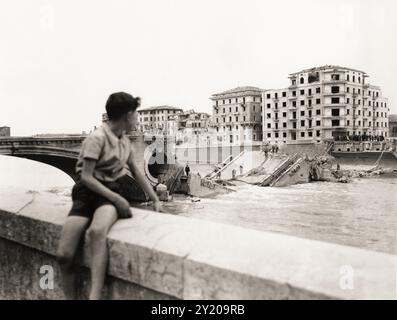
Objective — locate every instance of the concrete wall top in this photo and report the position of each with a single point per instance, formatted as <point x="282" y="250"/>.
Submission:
<point x="195" y="259"/>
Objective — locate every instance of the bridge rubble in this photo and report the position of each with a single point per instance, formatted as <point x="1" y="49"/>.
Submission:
<point x="279" y="170"/>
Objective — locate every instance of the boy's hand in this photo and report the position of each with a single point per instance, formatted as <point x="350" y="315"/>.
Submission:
<point x="123" y="208"/>
<point x="157" y="206"/>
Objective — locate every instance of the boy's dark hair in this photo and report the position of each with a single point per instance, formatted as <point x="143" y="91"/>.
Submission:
<point x="119" y="104"/>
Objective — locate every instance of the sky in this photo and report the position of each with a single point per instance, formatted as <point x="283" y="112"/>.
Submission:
<point x="60" y="60"/>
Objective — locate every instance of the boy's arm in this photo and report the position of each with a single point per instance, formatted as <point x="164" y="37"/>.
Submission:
<point x="93" y="184"/>
<point x="144" y="183"/>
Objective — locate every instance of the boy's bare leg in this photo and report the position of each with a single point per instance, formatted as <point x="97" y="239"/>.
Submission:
<point x="71" y="235"/>
<point x="104" y="217"/>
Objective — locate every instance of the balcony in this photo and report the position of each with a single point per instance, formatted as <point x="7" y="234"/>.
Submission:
<point x="335" y="105"/>
<point x="292" y="97"/>
<point x="340" y="81"/>
<point x="293" y="119"/>
<point x="334" y="117"/>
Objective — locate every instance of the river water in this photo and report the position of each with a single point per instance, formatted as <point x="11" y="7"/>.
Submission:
<point x="362" y="213"/>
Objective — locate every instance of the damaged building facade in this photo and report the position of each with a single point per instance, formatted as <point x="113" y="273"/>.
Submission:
<point x="324" y="103"/>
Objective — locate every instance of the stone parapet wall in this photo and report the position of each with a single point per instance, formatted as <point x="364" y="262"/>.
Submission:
<point x="162" y="256"/>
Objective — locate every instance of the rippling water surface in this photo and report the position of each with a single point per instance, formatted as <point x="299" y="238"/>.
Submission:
<point x="362" y="213"/>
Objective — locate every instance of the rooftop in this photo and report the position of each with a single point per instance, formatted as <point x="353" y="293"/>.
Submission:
<point x="238" y="90"/>
<point x="326" y="67"/>
<point x="165" y="107"/>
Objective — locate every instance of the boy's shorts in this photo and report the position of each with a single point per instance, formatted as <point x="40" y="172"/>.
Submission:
<point x="86" y="201"/>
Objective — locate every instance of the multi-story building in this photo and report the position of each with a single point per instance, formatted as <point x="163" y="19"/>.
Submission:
<point x="393" y="125"/>
<point x="237" y="115"/>
<point x="5" y="131"/>
<point x="193" y="120"/>
<point x="159" y="119"/>
<point x="323" y="103"/>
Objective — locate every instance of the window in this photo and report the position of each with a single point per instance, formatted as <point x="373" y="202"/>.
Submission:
<point x="335" y="100"/>
<point x="302" y="102"/>
<point x="348" y="100"/>
<point x="269" y="135"/>
<point x="276" y="95"/>
<point x="318" y="90"/>
<point x="302" y="123"/>
<point x="268" y="105"/>
<point x="294" y="104"/>
<point x="268" y="96"/>
<point x="268" y="125"/>
<point x="348" y="77"/>
<point x="302" y="113"/>
<point x="230" y="100"/>
<point x="284" y="114"/>
<point x="335" y="112"/>
<point x="348" y="89"/>
<point x="302" y="92"/>
<point x="310" y="92"/>
<point x="318" y="123"/>
<point x="301" y="80"/>
<point x="318" y="101"/>
<point x="276" y="134"/>
<point x="335" y="77"/>
<point x="284" y="104"/>
<point x="284" y="94"/>
<point x="284" y="134"/>
<point x="284" y="124"/>
<point x="268" y="115"/>
<point x="335" y="123"/>
<point x="318" y="133"/>
<point x="302" y="134"/>
<point x="294" y="93"/>
<point x="310" y="134"/>
<point x="313" y="77"/>
<point x="236" y="109"/>
<point x="318" y="112"/>
<point x="348" y="122"/>
<point x="347" y="111"/>
<point x="334" y="89"/>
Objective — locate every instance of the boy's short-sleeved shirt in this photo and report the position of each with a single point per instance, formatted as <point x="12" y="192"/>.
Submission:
<point x="110" y="152"/>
